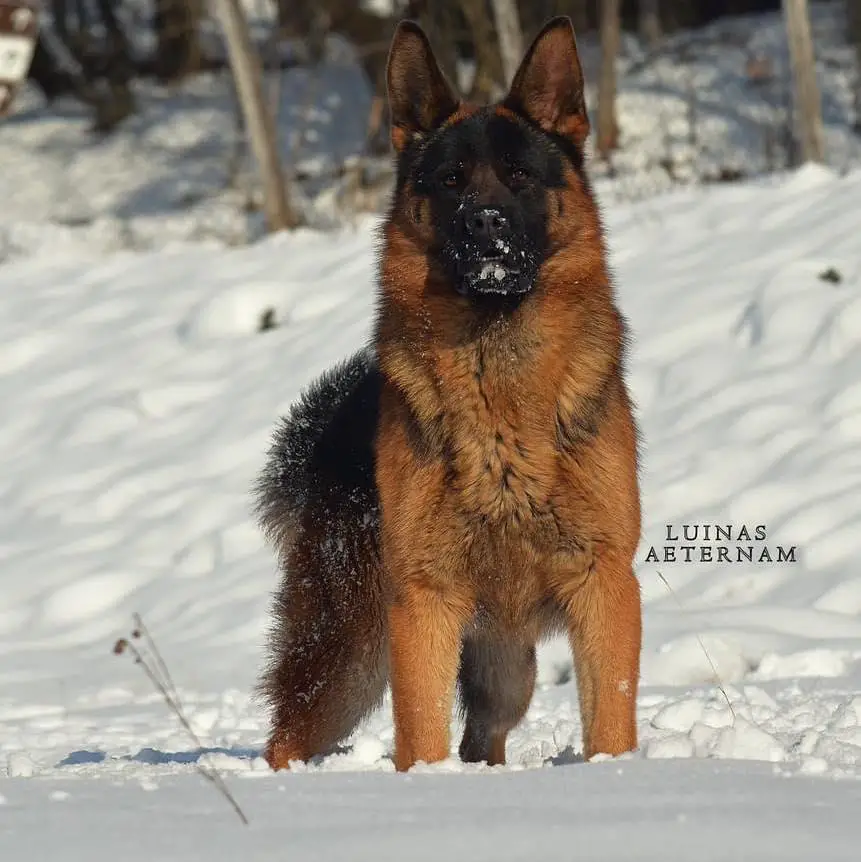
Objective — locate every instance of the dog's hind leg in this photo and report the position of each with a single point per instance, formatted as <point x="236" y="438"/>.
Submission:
<point x="496" y="682"/>
<point x="328" y="665"/>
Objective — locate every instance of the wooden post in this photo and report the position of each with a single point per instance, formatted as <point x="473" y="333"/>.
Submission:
<point x="247" y="72"/>
<point x="608" y="127"/>
<point x="808" y="109"/>
<point x="510" y="37"/>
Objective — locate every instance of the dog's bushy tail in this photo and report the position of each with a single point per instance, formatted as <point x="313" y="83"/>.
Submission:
<point x="317" y="504"/>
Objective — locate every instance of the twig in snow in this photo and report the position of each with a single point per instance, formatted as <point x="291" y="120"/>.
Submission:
<point x="141" y="630"/>
<point x="150" y="660"/>
<point x="717" y="678"/>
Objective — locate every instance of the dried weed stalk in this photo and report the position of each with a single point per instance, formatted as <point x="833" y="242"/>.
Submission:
<point x="142" y="647"/>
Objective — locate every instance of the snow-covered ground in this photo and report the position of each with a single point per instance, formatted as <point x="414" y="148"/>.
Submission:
<point x="632" y="812"/>
<point x="138" y="396"/>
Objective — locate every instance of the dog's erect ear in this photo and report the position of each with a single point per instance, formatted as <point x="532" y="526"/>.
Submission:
<point x="548" y="86"/>
<point x="420" y="98"/>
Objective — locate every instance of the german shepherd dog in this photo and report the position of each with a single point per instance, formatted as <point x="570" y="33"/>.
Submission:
<point x="467" y="485"/>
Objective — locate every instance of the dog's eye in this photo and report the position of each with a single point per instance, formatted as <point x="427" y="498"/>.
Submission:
<point x="519" y="173"/>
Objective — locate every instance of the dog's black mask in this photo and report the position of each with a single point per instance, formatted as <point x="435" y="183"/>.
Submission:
<point x="489" y="251"/>
<point x="486" y="179"/>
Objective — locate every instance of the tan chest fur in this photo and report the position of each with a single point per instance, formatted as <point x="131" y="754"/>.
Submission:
<point x="500" y="435"/>
<point x="490" y="505"/>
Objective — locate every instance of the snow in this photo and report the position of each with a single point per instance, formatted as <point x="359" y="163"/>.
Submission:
<point x="633" y="811"/>
<point x="139" y="395"/>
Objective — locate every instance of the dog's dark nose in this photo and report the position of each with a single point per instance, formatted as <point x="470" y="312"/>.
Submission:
<point x="487" y="224"/>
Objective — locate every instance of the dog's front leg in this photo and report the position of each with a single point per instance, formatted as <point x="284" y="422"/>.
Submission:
<point x="604" y="624"/>
<point x="425" y="632"/>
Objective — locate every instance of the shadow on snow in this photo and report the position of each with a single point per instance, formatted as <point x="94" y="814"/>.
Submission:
<point x="155" y="757"/>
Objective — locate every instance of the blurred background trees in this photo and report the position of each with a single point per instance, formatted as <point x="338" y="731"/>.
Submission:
<point x="106" y="53"/>
<point x="93" y="49"/>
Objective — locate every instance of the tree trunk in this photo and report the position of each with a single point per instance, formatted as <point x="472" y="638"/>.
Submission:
<point x="808" y="109"/>
<point x="853" y="22"/>
<point x="608" y="127"/>
<point x="105" y="67"/>
<point x="510" y="36"/>
<point x="248" y="75"/>
<point x="579" y="13"/>
<point x="178" y="51"/>
<point x="853" y="26"/>
<point x="488" y="60"/>
<point x="118" y="71"/>
<point x="650" y="22"/>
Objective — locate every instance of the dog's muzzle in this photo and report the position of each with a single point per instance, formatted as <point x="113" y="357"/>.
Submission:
<point x="490" y="261"/>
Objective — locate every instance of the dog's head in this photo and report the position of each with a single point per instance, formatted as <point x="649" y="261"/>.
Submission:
<point x="482" y="192"/>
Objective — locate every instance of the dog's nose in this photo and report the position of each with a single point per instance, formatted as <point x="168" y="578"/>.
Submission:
<point x="487" y="224"/>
